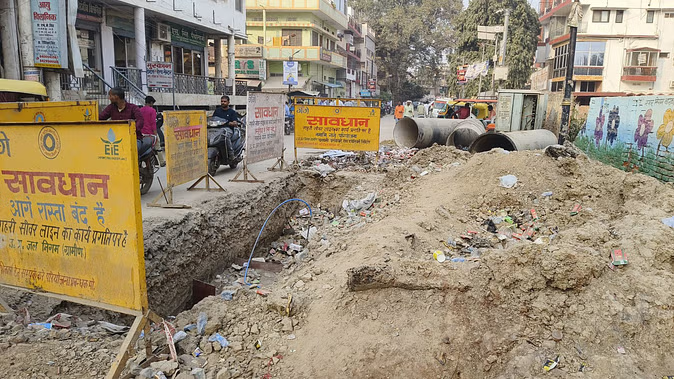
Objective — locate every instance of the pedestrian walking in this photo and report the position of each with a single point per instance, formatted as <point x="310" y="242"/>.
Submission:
<point x="399" y="112"/>
<point x="421" y="111"/>
<point x="409" y="109"/>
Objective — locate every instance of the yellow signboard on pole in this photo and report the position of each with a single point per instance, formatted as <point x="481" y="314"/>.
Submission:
<point x="70" y="220"/>
<point x="186" y="142"/>
<point x="337" y="127"/>
<point x="49" y="111"/>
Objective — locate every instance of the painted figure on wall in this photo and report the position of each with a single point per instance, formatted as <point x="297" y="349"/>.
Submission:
<point x="599" y="126"/>
<point x="644" y="128"/>
<point x="613" y="125"/>
<point x="666" y="131"/>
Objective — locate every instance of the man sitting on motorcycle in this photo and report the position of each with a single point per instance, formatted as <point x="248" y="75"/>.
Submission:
<point x="225" y="112"/>
<point x="119" y="110"/>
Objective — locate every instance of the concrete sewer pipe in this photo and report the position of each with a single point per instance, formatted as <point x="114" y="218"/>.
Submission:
<point x="514" y="141"/>
<point x="465" y="133"/>
<point x="424" y="132"/>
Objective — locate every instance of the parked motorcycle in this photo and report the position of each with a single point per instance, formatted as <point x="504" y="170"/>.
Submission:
<point x="148" y="164"/>
<point x="289" y="126"/>
<point x="218" y="132"/>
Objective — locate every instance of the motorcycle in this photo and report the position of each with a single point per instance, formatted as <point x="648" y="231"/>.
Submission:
<point x="148" y="164"/>
<point x="288" y="126"/>
<point x="218" y="132"/>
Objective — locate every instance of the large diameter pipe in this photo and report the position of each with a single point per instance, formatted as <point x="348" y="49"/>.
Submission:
<point x="423" y="132"/>
<point x="514" y="141"/>
<point x="465" y="133"/>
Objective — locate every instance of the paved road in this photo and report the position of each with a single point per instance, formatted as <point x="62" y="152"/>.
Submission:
<point x="224" y="174"/>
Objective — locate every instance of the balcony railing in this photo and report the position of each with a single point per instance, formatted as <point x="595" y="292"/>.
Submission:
<point x="639" y="74"/>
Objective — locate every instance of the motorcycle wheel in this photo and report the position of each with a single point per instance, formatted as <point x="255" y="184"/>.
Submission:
<point x="286" y="130"/>
<point x="213" y="165"/>
<point x="233" y="165"/>
<point x="146" y="174"/>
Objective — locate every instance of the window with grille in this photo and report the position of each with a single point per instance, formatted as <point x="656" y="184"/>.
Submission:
<point x="619" y="16"/>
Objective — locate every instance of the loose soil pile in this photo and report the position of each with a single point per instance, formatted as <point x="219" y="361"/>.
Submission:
<point x="364" y="297"/>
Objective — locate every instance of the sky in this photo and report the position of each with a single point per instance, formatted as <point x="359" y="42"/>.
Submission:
<point x="534" y="3"/>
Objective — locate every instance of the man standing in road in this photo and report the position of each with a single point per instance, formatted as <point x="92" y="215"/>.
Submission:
<point x="225" y="112"/>
<point x="409" y="109"/>
<point x="421" y="111"/>
<point x="399" y="112"/>
<point x="119" y="110"/>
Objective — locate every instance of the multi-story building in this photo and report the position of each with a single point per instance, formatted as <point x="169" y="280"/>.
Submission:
<point x="306" y="31"/>
<point x="624" y="47"/>
<point x="368" y="65"/>
<point x="117" y="38"/>
<point x="351" y="46"/>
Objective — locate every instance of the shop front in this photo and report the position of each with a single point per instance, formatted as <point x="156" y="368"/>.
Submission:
<point x="186" y="50"/>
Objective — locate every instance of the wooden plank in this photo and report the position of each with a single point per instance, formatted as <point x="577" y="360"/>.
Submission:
<point x="119" y="363"/>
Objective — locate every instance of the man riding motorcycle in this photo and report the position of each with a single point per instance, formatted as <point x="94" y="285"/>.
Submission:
<point x="227" y="113"/>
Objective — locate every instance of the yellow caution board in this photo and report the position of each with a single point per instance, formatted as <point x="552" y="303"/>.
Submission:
<point x="186" y="141"/>
<point x="70" y="219"/>
<point x="49" y="111"/>
<point x="337" y="127"/>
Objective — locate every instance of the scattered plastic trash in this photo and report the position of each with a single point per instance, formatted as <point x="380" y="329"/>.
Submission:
<point x="439" y="256"/>
<point x="618" y="258"/>
<point x="304" y="212"/>
<point x="621" y="350"/>
<point x="294" y="246"/>
<point x="258" y="344"/>
<point x="546" y="194"/>
<point x="337" y="154"/>
<point x="159" y="375"/>
<point x="112" y="328"/>
<point x="202" y="319"/>
<point x="458" y="259"/>
<point x="262" y="292"/>
<point x="61" y="320"/>
<point x="310" y="234"/>
<point x="323" y="169"/>
<point x="197" y="352"/>
<point x="216" y="337"/>
<point x="227" y="295"/>
<point x="41" y="325"/>
<point x="259" y="259"/>
<point x="551" y="364"/>
<point x="359" y="205"/>
<point x="190" y="327"/>
<point x="291" y="336"/>
<point x="179" y="336"/>
<point x="668" y="221"/>
<point x="423" y="173"/>
<point x="508" y="181"/>
<point x="576" y="209"/>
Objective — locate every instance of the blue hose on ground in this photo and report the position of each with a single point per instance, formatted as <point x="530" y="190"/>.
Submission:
<point x="245" y="276"/>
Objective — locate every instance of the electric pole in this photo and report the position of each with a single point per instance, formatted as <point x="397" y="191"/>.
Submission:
<point x="574" y="19"/>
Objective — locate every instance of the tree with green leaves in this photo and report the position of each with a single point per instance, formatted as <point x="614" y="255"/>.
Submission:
<point x="411" y="34"/>
<point x="523" y="34"/>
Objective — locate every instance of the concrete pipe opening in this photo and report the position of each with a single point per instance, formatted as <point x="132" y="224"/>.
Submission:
<point x="465" y="134"/>
<point x="406" y="132"/>
<point x="514" y="141"/>
<point x="423" y="132"/>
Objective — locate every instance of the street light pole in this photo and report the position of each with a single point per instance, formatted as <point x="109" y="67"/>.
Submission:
<point x="573" y="21"/>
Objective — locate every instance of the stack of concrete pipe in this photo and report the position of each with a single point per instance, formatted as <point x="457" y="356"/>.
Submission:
<point x="466" y="134"/>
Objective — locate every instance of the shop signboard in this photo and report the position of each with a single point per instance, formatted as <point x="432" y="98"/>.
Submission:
<point x="160" y="74"/>
<point x="50" y="44"/>
<point x="88" y="11"/>
<point x="187" y="35"/>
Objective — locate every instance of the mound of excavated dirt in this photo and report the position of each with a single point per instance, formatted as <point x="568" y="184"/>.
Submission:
<point x="527" y="278"/>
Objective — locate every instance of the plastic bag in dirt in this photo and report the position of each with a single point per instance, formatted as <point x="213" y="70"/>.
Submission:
<point x="202" y="319"/>
<point x="359" y="205"/>
<point x="668" y="221"/>
<point x="508" y="181"/>
<point x="336" y="154"/>
<point x="220" y="339"/>
<point x="323" y="169"/>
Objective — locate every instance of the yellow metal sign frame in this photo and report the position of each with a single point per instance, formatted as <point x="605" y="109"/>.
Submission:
<point x="49" y="111"/>
<point x="336" y="123"/>
<point x="66" y="227"/>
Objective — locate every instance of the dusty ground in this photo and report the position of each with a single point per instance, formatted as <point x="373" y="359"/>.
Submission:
<point x="366" y="299"/>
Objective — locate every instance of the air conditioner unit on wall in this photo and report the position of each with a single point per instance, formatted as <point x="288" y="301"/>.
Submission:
<point x="163" y="32"/>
